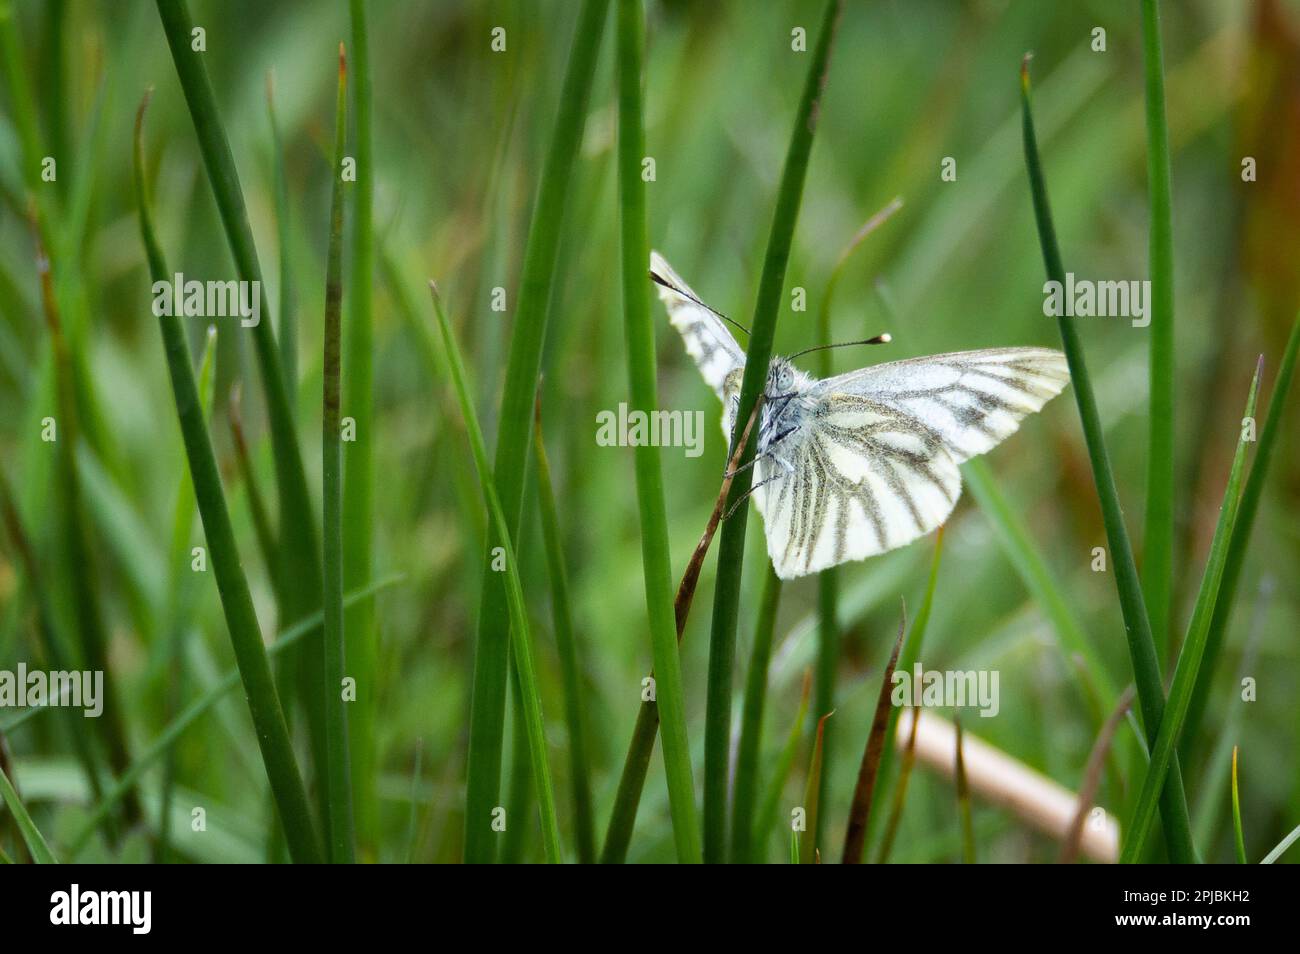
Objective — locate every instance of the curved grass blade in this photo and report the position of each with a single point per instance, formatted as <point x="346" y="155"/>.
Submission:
<point x="487" y="715"/>
<point x="1282" y="846"/>
<point x="1190" y="657"/>
<point x="566" y="645"/>
<point x="1137" y="625"/>
<point x="1250" y="501"/>
<point x="900" y="794"/>
<point x="745" y="792"/>
<point x="1238" y="838"/>
<point x="1092" y="777"/>
<point x="236" y="600"/>
<point x="731" y="547"/>
<point x="855" y="835"/>
<point x="32" y="836"/>
<point x="288" y="330"/>
<point x="910" y="654"/>
<point x="521" y="640"/>
<point x="299" y="572"/>
<point x="808" y="853"/>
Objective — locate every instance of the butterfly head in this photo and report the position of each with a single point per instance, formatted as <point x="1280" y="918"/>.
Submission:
<point x="782" y="378"/>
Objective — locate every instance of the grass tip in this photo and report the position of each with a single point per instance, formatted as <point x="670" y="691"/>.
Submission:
<point x="1024" y="70"/>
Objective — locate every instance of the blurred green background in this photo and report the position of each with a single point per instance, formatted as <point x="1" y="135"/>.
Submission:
<point x="459" y="136"/>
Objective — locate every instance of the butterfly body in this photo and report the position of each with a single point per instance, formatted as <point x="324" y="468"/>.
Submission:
<point x="861" y="463"/>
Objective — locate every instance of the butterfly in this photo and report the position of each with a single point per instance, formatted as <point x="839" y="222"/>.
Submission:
<point x="861" y="463"/>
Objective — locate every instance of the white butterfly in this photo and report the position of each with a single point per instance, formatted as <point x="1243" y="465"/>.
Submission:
<point x="863" y="462"/>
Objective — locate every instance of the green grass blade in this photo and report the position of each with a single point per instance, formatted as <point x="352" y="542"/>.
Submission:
<point x="963" y="799"/>
<point x="855" y="837"/>
<point x="32" y="836"/>
<point x="731" y="547"/>
<point x="808" y="853"/>
<point x="1158" y="535"/>
<point x="900" y="793"/>
<point x="1238" y="838"/>
<point x="751" y="725"/>
<point x="487" y="714"/>
<point x="566" y="645"/>
<point x="236" y="600"/>
<point x="1251" y="498"/>
<point x="656" y="561"/>
<point x="299" y="572"/>
<point x="521" y="639"/>
<point x="911" y="653"/>
<point x="1190" y="657"/>
<point x="1282" y="846"/>
<point x="358" y="485"/>
<point x="288" y="331"/>
<point x="338" y="772"/>
<point x="1137" y="625"/>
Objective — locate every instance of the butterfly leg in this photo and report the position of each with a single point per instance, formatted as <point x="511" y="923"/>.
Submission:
<point x="766" y="480"/>
<point x="771" y="447"/>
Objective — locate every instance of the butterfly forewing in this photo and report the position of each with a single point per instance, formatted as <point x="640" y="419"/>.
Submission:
<point x="707" y="339"/>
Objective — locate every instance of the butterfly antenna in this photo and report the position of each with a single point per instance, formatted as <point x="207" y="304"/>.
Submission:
<point x="878" y="339"/>
<point x="660" y="280"/>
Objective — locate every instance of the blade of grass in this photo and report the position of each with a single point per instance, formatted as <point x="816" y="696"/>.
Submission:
<point x="731" y="548"/>
<point x="1249" y="508"/>
<point x="1282" y="846"/>
<point x="766" y="820"/>
<point x="911" y="653"/>
<point x="808" y="853"/>
<point x="1189" y="658"/>
<point x="521" y="640"/>
<point x="1137" y="625"/>
<point x="288" y="333"/>
<point x="359" y="475"/>
<point x="338" y="773"/>
<point x="622" y="817"/>
<point x="566" y="645"/>
<point x="900" y="795"/>
<point x="262" y="527"/>
<point x="963" y="798"/>
<point x="855" y="835"/>
<point x="289" y="638"/>
<point x="1158" y="534"/>
<point x="299" y="572"/>
<point x="236" y="600"/>
<point x="745" y="792"/>
<point x="487" y="714"/>
<point x="656" y="561"/>
<point x="1238" y="838"/>
<point x="1092" y="777"/>
<point x="32" y="836"/>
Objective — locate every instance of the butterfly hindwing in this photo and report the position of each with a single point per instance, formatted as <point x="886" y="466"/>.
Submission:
<point x="877" y="465"/>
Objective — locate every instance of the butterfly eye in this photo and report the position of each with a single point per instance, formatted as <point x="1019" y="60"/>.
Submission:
<point x="785" y="379"/>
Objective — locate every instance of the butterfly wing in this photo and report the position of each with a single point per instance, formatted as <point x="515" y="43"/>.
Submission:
<point x="707" y="339"/>
<point x="876" y="467"/>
